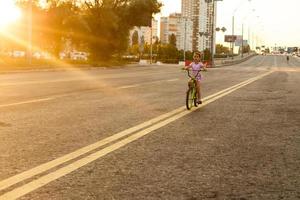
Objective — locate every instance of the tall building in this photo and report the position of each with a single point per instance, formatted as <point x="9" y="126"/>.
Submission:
<point x="200" y="13"/>
<point x="185" y="35"/>
<point x="164" y="34"/>
<point x="191" y="10"/>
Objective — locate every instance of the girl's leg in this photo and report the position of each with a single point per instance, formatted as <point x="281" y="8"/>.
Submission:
<point x="199" y="90"/>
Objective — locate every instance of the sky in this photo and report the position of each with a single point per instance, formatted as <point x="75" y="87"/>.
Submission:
<point x="272" y="21"/>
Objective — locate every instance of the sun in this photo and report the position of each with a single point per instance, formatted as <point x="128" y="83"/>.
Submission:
<point x="9" y="12"/>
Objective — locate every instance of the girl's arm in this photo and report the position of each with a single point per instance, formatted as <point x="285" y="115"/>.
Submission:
<point x="189" y="66"/>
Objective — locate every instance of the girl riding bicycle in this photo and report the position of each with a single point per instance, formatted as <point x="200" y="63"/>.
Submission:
<point x="196" y="66"/>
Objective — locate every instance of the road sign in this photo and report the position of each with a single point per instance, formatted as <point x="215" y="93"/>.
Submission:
<point x="230" y="38"/>
<point x="238" y="41"/>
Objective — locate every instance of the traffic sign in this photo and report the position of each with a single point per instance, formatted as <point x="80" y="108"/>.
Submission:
<point x="230" y="38"/>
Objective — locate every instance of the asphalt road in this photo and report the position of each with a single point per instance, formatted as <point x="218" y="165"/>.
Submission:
<point x="125" y="134"/>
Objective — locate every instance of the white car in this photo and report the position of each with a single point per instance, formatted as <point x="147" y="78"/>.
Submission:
<point x="79" y="56"/>
<point x="41" y="55"/>
<point x="18" y="54"/>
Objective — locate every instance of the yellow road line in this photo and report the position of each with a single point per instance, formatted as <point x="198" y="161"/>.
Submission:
<point x="162" y="121"/>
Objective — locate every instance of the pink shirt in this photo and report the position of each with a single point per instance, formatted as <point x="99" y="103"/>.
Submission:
<point x="195" y="68"/>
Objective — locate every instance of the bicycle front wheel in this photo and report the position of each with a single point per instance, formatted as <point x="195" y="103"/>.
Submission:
<point x="195" y="100"/>
<point x="189" y="98"/>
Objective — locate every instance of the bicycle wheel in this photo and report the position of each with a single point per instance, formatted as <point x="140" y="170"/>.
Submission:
<point x="195" y="100"/>
<point x="189" y="98"/>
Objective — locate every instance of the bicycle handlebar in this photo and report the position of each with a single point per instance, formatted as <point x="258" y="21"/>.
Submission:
<point x="188" y="70"/>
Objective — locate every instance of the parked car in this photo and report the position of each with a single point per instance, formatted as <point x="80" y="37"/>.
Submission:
<point x="41" y="55"/>
<point x="17" y="54"/>
<point x="79" y="56"/>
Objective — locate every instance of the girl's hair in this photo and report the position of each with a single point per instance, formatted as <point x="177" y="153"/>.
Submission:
<point x="198" y="53"/>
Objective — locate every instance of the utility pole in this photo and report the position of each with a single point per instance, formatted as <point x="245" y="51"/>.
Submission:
<point x="151" y="45"/>
<point x="242" y="40"/>
<point x="29" y="47"/>
<point x="212" y="32"/>
<point x="232" y="43"/>
<point x="184" y="48"/>
<point x="249" y="38"/>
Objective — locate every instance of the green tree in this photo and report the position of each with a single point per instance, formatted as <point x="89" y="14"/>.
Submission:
<point x="135" y="38"/>
<point x="134" y="49"/>
<point x="207" y="55"/>
<point x="108" y="23"/>
<point x="220" y="49"/>
<point x="246" y="49"/>
<point x="58" y="24"/>
<point x="172" y="39"/>
<point x="101" y="26"/>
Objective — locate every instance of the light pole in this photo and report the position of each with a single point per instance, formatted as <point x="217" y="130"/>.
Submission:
<point x="29" y="47"/>
<point x="253" y="10"/>
<point x="184" y="46"/>
<point x="234" y="11"/>
<point x="212" y="17"/>
<point x="151" y="42"/>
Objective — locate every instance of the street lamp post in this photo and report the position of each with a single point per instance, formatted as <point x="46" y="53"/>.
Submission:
<point x="212" y="29"/>
<point x="184" y="46"/>
<point x="242" y="40"/>
<point x="253" y="10"/>
<point x="235" y="10"/>
<point x="29" y="47"/>
<point x="212" y="32"/>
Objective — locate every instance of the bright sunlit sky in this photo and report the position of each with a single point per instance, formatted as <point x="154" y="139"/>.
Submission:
<point x="273" y="21"/>
<point x="8" y="12"/>
<point x="278" y="20"/>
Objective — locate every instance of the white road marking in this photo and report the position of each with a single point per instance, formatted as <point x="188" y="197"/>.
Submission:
<point x="173" y="80"/>
<point x="49" y="81"/>
<point x="27" y="102"/>
<point x="152" y="126"/>
<point x="129" y="86"/>
<point x="66" y="95"/>
<point x="146" y="83"/>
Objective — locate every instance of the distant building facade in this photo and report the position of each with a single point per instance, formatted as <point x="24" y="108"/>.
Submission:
<point x="144" y="33"/>
<point x="180" y="27"/>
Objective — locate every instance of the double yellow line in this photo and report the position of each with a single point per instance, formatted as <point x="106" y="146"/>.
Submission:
<point x="68" y="163"/>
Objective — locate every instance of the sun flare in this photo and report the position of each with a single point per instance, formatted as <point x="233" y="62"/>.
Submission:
<point x="9" y="12"/>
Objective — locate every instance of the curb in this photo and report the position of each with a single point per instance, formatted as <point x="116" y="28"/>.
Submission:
<point x="235" y="62"/>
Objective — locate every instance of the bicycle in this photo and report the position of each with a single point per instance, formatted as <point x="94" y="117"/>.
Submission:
<point x="191" y="94"/>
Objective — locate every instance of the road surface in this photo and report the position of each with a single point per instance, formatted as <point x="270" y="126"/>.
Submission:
<point x="125" y="133"/>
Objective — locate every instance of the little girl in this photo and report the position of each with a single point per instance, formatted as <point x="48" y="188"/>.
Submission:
<point x="197" y="65"/>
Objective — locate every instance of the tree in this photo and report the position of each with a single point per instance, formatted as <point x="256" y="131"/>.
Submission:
<point x="246" y="49"/>
<point x="172" y="39"/>
<point x="220" y="49"/>
<point x="101" y="26"/>
<point x="59" y="24"/>
<point x="134" y="49"/>
<point x="135" y="38"/>
<point x="207" y="55"/>
<point x="108" y="23"/>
